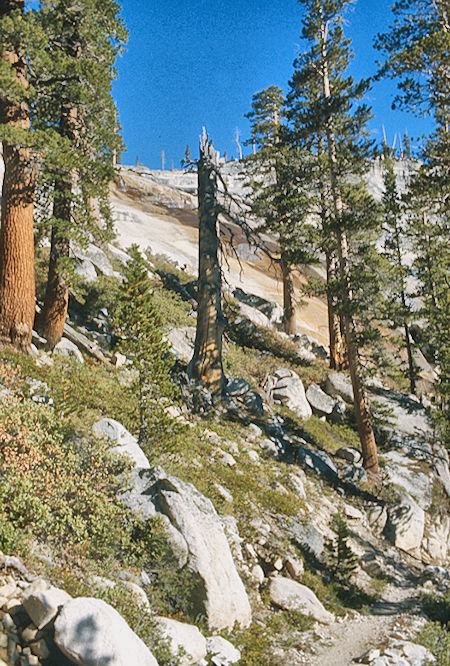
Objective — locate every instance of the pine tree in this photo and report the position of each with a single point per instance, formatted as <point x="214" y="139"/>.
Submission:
<point x="417" y="51"/>
<point x="72" y="78"/>
<point x="394" y="221"/>
<point x="138" y="323"/>
<point x="343" y="560"/>
<point x="331" y="116"/>
<point x="279" y="179"/>
<point x="17" y="300"/>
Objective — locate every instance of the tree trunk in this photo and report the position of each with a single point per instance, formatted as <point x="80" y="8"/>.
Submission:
<point x="338" y="347"/>
<point x="411" y="368"/>
<point x="206" y="363"/>
<point x="365" y="431"/>
<point x="17" y="287"/>
<point x="288" y="298"/>
<point x="51" y="320"/>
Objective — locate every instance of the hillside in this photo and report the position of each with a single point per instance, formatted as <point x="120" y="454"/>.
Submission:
<point x="229" y="525"/>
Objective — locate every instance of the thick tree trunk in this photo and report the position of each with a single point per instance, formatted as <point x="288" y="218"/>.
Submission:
<point x="17" y="288"/>
<point x="51" y="320"/>
<point x="411" y="368"/>
<point x="338" y="347"/>
<point x="206" y="363"/>
<point x="362" y="415"/>
<point x="288" y="298"/>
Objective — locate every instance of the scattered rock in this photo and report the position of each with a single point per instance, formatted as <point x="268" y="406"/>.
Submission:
<point x="185" y="637"/>
<point x="42" y="601"/>
<point x="126" y="444"/>
<point x="182" y="342"/>
<point x="338" y="384"/>
<point x="319" y="461"/>
<point x="354" y="473"/>
<point x="405" y="525"/>
<point x="405" y="473"/>
<point x="350" y="454"/>
<point x="308" y="537"/>
<point x="321" y="403"/>
<point x="67" y="348"/>
<point x="290" y="595"/>
<point x="285" y="387"/>
<point x="221" y="651"/>
<point x="92" y="633"/>
<point x="237" y="386"/>
<point x="297" y="484"/>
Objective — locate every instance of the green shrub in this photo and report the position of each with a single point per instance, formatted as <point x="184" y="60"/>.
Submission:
<point x="56" y="488"/>
<point x="436" y="639"/>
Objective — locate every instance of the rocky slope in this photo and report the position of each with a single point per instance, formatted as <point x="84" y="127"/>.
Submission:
<point x="247" y="500"/>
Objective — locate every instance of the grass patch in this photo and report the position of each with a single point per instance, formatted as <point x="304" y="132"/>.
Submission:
<point x="329" y="436"/>
<point x="436" y="638"/>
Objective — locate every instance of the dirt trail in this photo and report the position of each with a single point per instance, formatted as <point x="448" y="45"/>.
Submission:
<point x="346" y="641"/>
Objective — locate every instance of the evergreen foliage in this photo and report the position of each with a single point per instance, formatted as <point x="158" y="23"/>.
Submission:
<point x="417" y="51"/>
<point x="138" y="323"/>
<point x="343" y="560"/>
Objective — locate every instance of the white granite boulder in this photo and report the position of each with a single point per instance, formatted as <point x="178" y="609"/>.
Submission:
<point x="92" y="633"/>
<point x="221" y="651"/>
<point x="224" y="599"/>
<point x="290" y="595"/>
<point x="405" y="525"/>
<point x="285" y="387"/>
<point x="321" y="402"/>
<point x="125" y="443"/>
<point x="184" y="637"/>
<point x="67" y="348"/>
<point x="338" y="384"/>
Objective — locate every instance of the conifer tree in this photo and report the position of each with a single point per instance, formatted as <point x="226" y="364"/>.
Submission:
<point x="279" y="179"/>
<point x="138" y="323"/>
<point x="417" y="52"/>
<point x="394" y="247"/>
<point x="330" y="115"/>
<point x="73" y="82"/>
<point x="17" y="304"/>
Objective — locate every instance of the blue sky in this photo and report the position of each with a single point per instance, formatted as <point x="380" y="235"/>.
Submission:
<point x="190" y="64"/>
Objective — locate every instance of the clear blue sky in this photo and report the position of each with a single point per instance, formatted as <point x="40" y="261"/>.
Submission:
<point x="190" y="64"/>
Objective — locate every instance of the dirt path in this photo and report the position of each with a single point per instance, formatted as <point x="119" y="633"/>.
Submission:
<point x="345" y="641"/>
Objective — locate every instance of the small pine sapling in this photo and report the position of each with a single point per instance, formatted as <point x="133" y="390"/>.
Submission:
<point x="138" y="324"/>
<point x="342" y="559"/>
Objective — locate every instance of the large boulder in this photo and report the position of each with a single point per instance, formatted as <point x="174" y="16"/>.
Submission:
<point x="96" y="256"/>
<point x="285" y="387"/>
<point x="125" y="443"/>
<point x="405" y="525"/>
<point x="338" y="384"/>
<point x="290" y="595"/>
<point x="321" y="402"/>
<point x="184" y="638"/>
<point x="406" y="473"/>
<point x="224" y="600"/>
<point x="254" y="315"/>
<point x="436" y="540"/>
<point x="92" y="633"/>
<point x="220" y="593"/>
